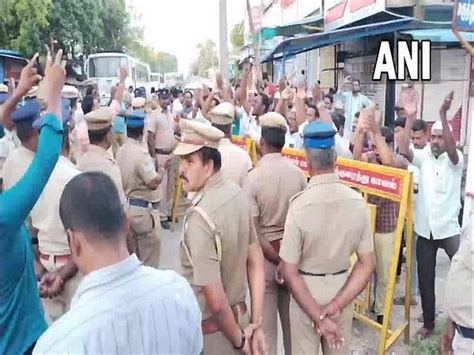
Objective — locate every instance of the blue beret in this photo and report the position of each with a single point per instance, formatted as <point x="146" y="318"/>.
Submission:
<point x="135" y="119"/>
<point x="29" y="111"/>
<point x="319" y="135"/>
<point x="65" y="114"/>
<point x="3" y="97"/>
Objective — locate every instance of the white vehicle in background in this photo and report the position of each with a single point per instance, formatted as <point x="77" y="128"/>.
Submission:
<point x="103" y="69"/>
<point x="156" y="81"/>
<point x="174" y="79"/>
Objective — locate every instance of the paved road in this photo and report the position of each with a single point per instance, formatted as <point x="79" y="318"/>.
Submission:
<point x="364" y="339"/>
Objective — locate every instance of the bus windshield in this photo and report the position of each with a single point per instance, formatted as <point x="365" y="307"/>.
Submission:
<point x="103" y="67"/>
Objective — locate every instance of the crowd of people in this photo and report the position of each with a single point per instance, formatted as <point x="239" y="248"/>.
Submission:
<point x="82" y="183"/>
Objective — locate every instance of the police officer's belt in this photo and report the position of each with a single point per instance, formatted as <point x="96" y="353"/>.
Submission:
<point x="209" y="326"/>
<point x="311" y="274"/>
<point x="465" y="332"/>
<point x="138" y="203"/>
<point x="163" y="151"/>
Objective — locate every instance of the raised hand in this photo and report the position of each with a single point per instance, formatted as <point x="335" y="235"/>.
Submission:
<point x="55" y="74"/>
<point x="410" y="108"/>
<point x="11" y="85"/>
<point x="123" y="72"/>
<point x="447" y="102"/>
<point x="28" y="77"/>
<point x="301" y="89"/>
<point x="282" y="84"/>
<point x="316" y="91"/>
<point x="219" y="82"/>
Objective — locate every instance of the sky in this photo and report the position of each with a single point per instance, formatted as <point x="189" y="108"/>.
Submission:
<point x="178" y="26"/>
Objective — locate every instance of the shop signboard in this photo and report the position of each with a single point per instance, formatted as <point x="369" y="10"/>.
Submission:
<point x="339" y="13"/>
<point x="463" y="17"/>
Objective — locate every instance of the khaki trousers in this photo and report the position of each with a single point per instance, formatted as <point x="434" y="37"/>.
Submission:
<point x="145" y="241"/>
<point x="218" y="344"/>
<point x="384" y="244"/>
<point x="167" y="186"/>
<point x="277" y="301"/>
<point x="56" y="307"/>
<point x="304" y="339"/>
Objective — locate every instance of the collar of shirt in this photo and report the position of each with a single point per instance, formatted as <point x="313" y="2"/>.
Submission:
<point x="214" y="180"/>
<point x="324" y="179"/>
<point x="225" y="141"/>
<point x="271" y="157"/>
<point x="95" y="149"/>
<point x="106" y="275"/>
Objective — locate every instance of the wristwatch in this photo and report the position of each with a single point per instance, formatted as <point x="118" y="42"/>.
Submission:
<point x="243" y="339"/>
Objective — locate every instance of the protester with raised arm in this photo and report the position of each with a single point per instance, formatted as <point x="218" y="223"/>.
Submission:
<point x="21" y="315"/>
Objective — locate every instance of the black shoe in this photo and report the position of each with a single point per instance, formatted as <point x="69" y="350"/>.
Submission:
<point x="380" y="319"/>
<point x="165" y="225"/>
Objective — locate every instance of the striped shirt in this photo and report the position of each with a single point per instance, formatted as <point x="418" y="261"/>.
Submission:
<point x="128" y="308"/>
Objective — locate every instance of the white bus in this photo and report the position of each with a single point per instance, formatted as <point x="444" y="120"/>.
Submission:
<point x="174" y="80"/>
<point x="104" y="70"/>
<point x="156" y="80"/>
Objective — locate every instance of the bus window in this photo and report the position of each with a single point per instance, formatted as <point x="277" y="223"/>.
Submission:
<point x="103" y="67"/>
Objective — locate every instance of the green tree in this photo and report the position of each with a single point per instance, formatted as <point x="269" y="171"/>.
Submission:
<point x="21" y="22"/>
<point x="237" y="37"/>
<point x="165" y="62"/>
<point x="207" y="58"/>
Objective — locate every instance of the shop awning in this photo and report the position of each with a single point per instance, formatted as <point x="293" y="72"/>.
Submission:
<point x="296" y="45"/>
<point x="292" y="28"/>
<point x="444" y="35"/>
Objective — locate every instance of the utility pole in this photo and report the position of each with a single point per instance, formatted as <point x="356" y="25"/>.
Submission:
<point x="223" y="50"/>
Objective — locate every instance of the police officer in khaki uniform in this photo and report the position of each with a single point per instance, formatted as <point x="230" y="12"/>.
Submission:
<point x="140" y="180"/>
<point x="99" y="126"/>
<point x="236" y="162"/>
<point x="160" y="128"/>
<point x="270" y="186"/>
<point x="459" y="333"/>
<point x="219" y="249"/>
<point x="326" y="224"/>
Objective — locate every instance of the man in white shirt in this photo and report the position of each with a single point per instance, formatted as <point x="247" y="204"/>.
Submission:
<point x="293" y="138"/>
<point x="436" y="219"/>
<point x="236" y="162"/>
<point x="354" y="101"/>
<point x="120" y="306"/>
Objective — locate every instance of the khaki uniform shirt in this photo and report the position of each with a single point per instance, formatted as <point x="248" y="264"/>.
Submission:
<point x="326" y="224"/>
<point x="137" y="168"/>
<point x="228" y="208"/>
<point x="52" y="239"/>
<point x="16" y="165"/>
<point x="459" y="290"/>
<point x="236" y="162"/>
<point x="270" y="186"/>
<point x="161" y="123"/>
<point x="98" y="159"/>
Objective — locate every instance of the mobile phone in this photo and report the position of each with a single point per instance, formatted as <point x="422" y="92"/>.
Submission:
<point x="39" y="67"/>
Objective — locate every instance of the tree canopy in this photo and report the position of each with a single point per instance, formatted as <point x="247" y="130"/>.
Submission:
<point x="207" y="59"/>
<point x="81" y="27"/>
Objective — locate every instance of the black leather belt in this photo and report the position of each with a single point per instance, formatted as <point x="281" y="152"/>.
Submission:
<point x="465" y="332"/>
<point x="322" y="275"/>
<point x="138" y="203"/>
<point x="163" y="151"/>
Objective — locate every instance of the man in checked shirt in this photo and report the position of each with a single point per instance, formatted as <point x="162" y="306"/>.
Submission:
<point x="382" y="153"/>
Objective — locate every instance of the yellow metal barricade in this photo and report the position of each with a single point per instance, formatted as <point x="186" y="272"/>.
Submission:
<point x="179" y="201"/>
<point x="249" y="145"/>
